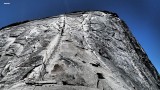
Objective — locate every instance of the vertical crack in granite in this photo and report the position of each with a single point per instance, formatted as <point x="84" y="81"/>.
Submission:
<point x="91" y="50"/>
<point x="46" y="54"/>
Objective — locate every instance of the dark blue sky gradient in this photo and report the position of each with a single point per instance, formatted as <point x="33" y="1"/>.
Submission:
<point x="142" y="16"/>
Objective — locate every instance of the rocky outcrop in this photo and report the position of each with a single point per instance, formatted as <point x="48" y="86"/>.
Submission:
<point x="78" y="51"/>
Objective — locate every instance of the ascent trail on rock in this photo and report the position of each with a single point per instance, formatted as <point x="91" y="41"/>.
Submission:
<point x="92" y="50"/>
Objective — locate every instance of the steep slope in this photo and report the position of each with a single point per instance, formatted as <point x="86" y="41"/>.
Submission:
<point x="78" y="51"/>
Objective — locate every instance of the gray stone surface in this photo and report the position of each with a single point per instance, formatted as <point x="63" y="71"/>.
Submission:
<point x="78" y="51"/>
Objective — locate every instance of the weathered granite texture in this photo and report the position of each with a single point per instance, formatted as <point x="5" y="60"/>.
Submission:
<point x="78" y="51"/>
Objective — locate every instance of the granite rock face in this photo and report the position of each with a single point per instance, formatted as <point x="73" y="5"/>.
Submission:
<point x="91" y="50"/>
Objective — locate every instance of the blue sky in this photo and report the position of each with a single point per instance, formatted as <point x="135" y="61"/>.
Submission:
<point x="142" y="16"/>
